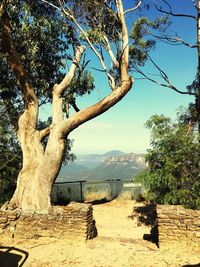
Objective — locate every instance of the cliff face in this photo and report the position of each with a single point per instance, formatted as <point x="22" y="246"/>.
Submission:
<point x="111" y="165"/>
<point x="115" y="157"/>
<point x="135" y="160"/>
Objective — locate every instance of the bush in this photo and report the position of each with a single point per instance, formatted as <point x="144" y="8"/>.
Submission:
<point x="173" y="174"/>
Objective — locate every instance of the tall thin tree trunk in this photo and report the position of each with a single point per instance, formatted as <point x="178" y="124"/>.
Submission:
<point x="197" y="100"/>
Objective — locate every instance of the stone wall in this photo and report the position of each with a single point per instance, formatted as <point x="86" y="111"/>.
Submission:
<point x="176" y="223"/>
<point x="72" y="221"/>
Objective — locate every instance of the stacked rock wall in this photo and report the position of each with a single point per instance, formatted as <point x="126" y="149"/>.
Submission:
<point x="72" y="221"/>
<point x="176" y="223"/>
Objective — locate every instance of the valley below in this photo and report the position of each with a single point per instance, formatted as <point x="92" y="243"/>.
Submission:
<point x="111" y="165"/>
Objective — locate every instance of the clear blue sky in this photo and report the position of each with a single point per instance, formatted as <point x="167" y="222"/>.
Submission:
<point x="122" y="127"/>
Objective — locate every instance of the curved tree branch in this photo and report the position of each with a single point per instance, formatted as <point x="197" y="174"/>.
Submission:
<point x="194" y="4"/>
<point x="170" y="12"/>
<point x="174" y="40"/>
<point x="110" y="52"/>
<point x="170" y="86"/>
<point x="74" y="105"/>
<point x="58" y="89"/>
<point x="44" y="133"/>
<point x="93" y="111"/>
<point x="134" y="8"/>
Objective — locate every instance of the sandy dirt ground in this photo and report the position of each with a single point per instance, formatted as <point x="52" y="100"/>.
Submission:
<point x="119" y="244"/>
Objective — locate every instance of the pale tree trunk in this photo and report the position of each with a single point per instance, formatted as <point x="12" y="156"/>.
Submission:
<point x="41" y="165"/>
<point x="38" y="174"/>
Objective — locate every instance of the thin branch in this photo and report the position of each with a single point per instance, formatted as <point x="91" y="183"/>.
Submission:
<point x="167" y="85"/>
<point x="69" y="76"/>
<point x="163" y="74"/>
<point x="195" y="5"/>
<point x="70" y="15"/>
<point x="74" y="105"/>
<point x="134" y="8"/>
<point x="110" y="52"/>
<point x="162" y="84"/>
<point x="45" y="101"/>
<point x="54" y="6"/>
<point x="100" y="70"/>
<point x="58" y="89"/>
<point x="174" y="40"/>
<point x="170" y="12"/>
<point x="44" y="133"/>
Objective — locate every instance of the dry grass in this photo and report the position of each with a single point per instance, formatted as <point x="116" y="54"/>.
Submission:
<point x="91" y="196"/>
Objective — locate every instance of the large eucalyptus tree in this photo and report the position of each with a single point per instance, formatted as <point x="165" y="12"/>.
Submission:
<point x="35" y="36"/>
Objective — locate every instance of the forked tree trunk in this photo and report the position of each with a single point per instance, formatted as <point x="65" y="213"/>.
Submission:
<point x="40" y="169"/>
<point x="41" y="165"/>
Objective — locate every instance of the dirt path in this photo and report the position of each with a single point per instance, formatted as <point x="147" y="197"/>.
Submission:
<point x="119" y="244"/>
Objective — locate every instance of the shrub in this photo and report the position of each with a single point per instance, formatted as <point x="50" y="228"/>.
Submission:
<point x="173" y="174"/>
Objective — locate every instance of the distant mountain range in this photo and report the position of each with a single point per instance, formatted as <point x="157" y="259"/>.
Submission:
<point x="114" y="164"/>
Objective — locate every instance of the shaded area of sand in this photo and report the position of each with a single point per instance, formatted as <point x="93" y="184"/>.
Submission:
<point x="119" y="243"/>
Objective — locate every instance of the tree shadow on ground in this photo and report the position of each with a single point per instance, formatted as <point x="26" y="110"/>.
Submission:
<point x="147" y="215"/>
<point x="15" y="259"/>
<point x="98" y="201"/>
<point x="61" y="202"/>
<point x="192" y="265"/>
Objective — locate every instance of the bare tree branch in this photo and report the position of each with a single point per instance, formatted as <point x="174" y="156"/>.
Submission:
<point x="166" y="78"/>
<point x="58" y="89"/>
<point x="49" y="3"/>
<point x="174" y="40"/>
<point x="70" y="75"/>
<point x="195" y="5"/>
<point x="134" y="8"/>
<point x="110" y="52"/>
<point x="170" y="12"/>
<point x="169" y="85"/>
<point x="44" y="133"/>
<point x="74" y="105"/>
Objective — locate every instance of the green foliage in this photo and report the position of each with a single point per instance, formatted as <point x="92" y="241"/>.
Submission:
<point x="10" y="158"/>
<point x="42" y="40"/>
<point x="99" y="18"/>
<point x="173" y="174"/>
<point x="141" y="43"/>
